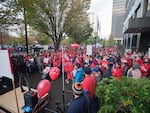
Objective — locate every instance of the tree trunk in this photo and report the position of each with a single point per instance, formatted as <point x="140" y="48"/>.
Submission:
<point x="56" y="45"/>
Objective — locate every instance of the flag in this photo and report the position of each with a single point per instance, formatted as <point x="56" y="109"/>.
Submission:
<point x="67" y="63"/>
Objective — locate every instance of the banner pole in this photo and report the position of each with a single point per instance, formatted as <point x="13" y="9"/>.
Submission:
<point x="63" y="79"/>
<point x="63" y="69"/>
<point x="15" y="96"/>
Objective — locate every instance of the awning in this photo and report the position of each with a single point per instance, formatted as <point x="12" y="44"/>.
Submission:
<point x="75" y="46"/>
<point x="138" y="25"/>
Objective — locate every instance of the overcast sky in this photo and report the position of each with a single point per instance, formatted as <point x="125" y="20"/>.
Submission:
<point x="103" y="8"/>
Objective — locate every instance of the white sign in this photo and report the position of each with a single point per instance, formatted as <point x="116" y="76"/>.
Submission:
<point x="127" y="50"/>
<point x="5" y="64"/>
<point x="89" y="49"/>
<point x="45" y="47"/>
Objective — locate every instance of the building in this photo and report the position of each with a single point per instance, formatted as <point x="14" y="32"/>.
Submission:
<point x="137" y="25"/>
<point x="118" y="20"/>
<point x="95" y="24"/>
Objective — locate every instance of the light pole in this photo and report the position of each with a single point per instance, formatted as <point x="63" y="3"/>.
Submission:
<point x="26" y="32"/>
<point x="95" y="36"/>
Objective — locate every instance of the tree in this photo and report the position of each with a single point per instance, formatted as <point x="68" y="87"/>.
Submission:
<point x="8" y="15"/>
<point x="49" y="16"/>
<point x="90" y="40"/>
<point x="43" y="39"/>
<point x="123" y="96"/>
<point x="77" y="24"/>
<point x="104" y="42"/>
<point x="46" y="16"/>
<point x="111" y="40"/>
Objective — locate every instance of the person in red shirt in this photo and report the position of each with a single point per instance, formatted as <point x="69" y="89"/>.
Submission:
<point x="145" y="68"/>
<point x="138" y="60"/>
<point x="56" y="61"/>
<point x="88" y="85"/>
<point x="89" y="82"/>
<point x="117" y="71"/>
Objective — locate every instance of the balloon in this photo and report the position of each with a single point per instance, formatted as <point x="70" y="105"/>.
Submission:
<point x="54" y="73"/>
<point x="43" y="87"/>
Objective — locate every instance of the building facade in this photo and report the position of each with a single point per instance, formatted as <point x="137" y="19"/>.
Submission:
<point x="118" y="16"/>
<point x="137" y="25"/>
<point x="95" y="24"/>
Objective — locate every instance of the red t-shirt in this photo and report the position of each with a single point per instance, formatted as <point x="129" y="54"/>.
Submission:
<point x="89" y="83"/>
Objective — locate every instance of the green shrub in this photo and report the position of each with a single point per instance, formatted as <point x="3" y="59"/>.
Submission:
<point x="123" y="96"/>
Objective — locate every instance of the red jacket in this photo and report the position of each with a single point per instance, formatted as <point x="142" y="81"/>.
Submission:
<point x="117" y="72"/>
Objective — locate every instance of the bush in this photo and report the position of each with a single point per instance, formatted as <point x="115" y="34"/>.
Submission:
<point x="124" y="96"/>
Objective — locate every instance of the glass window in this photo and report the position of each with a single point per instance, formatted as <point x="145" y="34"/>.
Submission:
<point x="148" y="5"/>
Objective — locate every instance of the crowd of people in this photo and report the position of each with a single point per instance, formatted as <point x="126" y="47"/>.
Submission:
<point x="85" y="71"/>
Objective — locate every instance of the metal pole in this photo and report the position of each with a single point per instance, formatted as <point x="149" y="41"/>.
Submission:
<point x="26" y="32"/>
<point x="63" y="69"/>
<point x="1" y="40"/>
<point x="95" y="46"/>
<point x="63" y="79"/>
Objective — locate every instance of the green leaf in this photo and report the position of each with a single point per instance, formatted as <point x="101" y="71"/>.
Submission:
<point x="127" y="95"/>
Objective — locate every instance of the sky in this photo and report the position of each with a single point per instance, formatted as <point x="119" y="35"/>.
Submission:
<point x="103" y="9"/>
